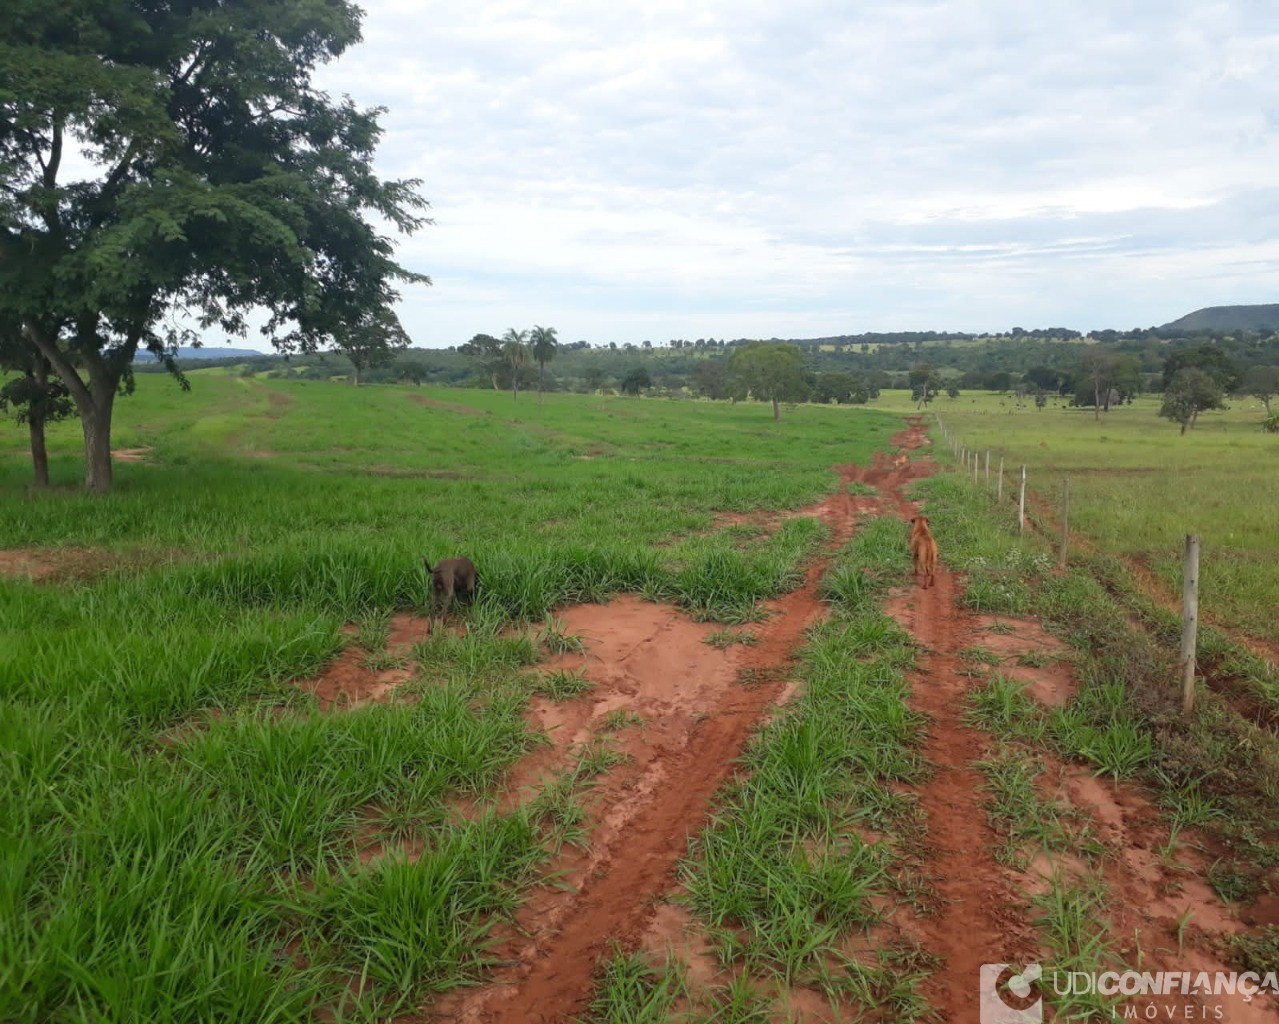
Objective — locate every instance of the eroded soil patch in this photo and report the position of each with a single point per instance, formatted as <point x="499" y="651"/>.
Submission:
<point x="57" y="565"/>
<point x="353" y="679"/>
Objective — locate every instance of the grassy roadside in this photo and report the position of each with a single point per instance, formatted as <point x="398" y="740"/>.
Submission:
<point x="1137" y="488"/>
<point x="1215" y="771"/>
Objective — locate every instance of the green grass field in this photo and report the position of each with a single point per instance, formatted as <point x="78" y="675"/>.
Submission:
<point x="181" y="831"/>
<point x="1137" y="488"/>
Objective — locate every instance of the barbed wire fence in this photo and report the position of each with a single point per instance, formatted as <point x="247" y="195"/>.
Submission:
<point x="970" y="460"/>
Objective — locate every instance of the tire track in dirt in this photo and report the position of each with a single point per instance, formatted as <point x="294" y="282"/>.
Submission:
<point x="985" y="917"/>
<point x="978" y="918"/>
<point x="550" y="971"/>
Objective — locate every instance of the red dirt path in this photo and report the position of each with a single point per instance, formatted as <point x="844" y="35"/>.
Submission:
<point x="550" y="976"/>
<point x="651" y="660"/>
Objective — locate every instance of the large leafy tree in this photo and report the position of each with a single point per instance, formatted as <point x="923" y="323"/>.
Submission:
<point x="543" y="345"/>
<point x="1261" y="382"/>
<point x="635" y="381"/>
<point x="486" y="353"/>
<point x="1209" y="358"/>
<point x="166" y="158"/>
<point x="771" y="372"/>
<point x="373" y="340"/>
<point x="925" y="383"/>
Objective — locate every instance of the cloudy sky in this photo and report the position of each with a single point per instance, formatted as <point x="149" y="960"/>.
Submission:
<point x="625" y="171"/>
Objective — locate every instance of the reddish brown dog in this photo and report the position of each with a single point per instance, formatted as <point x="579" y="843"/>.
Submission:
<point x="923" y="551"/>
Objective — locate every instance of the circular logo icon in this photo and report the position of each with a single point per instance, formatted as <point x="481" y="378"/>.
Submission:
<point x="1019" y="991"/>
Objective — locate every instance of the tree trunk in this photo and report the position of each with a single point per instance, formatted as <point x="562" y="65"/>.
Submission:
<point x="96" y="421"/>
<point x="39" y="453"/>
<point x="355" y="377"/>
<point x="776" y="412"/>
<point x="1096" y="400"/>
<point x="94" y="399"/>
<point x="1183" y="427"/>
<point x="541" y="368"/>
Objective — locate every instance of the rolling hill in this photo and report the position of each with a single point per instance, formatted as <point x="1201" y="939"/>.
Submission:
<point x="1228" y="318"/>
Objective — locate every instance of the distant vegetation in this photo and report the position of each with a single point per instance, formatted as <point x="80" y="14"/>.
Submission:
<point x="1106" y="367"/>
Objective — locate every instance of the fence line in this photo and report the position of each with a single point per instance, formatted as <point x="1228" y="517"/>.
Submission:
<point x="968" y="458"/>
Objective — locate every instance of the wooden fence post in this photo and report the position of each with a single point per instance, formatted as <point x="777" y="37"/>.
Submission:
<point x="999" y="494"/>
<point x="1189" y="622"/>
<point x="987" y="465"/>
<point x="1065" y="519"/>
<point x="1021" y="504"/>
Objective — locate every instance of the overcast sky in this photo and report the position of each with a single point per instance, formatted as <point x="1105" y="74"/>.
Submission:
<point x="627" y="171"/>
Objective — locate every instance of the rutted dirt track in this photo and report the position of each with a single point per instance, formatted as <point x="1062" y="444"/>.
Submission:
<point x="652" y="661"/>
<point x="979" y="918"/>
<point x="699" y="720"/>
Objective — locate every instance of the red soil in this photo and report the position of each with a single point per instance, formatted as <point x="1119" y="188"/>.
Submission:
<point x="650" y="660"/>
<point x="653" y="661"/>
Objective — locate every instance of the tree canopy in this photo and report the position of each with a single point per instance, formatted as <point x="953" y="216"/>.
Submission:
<point x="1209" y="358"/>
<point x="770" y="372"/>
<point x="159" y="160"/>
<point x="1262" y="382"/>
<point x="371" y="341"/>
<point x="1191" y="392"/>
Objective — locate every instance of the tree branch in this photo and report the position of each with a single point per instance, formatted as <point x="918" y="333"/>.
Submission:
<point x="55" y="155"/>
<point x="48" y="347"/>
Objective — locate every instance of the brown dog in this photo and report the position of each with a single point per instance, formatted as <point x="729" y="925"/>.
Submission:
<point x="923" y="551"/>
<point x="901" y="460"/>
<point x="452" y="578"/>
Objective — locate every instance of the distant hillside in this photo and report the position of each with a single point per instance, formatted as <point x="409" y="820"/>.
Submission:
<point x="205" y="353"/>
<point x="1228" y="318"/>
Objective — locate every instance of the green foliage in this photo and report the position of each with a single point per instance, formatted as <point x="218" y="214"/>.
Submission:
<point x="634" y="990"/>
<point x="1208" y="359"/>
<point x="635" y="381"/>
<point x="371" y="341"/>
<point x="188" y="203"/>
<point x="841" y="388"/>
<point x="1191" y="392"/>
<point x="770" y="372"/>
<point x="925" y="382"/>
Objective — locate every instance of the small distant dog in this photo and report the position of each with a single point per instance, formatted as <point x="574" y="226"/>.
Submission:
<point x="923" y="551"/>
<point x="901" y="460"/>
<point x="452" y="578"/>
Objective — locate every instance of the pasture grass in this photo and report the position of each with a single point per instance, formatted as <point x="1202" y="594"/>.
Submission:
<point x="1025" y="820"/>
<point x="184" y="835"/>
<point x="1137" y="488"/>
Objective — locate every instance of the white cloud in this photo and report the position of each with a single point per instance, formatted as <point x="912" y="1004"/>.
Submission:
<point x="631" y="171"/>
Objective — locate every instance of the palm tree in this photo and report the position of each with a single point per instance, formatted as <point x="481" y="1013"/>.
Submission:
<point x="515" y="352"/>
<point x="544" y="346"/>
